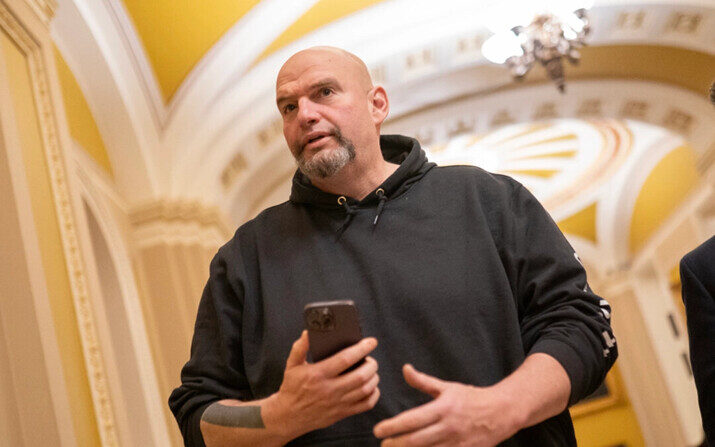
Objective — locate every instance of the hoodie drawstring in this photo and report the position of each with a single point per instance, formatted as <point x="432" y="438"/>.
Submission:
<point x="383" y="198"/>
<point x="349" y="213"/>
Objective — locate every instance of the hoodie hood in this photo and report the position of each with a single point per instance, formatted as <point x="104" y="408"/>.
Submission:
<point x="397" y="149"/>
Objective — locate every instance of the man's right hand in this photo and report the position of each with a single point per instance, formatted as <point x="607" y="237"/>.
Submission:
<point x="316" y="395"/>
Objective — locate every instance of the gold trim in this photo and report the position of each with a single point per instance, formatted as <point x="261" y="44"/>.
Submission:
<point x="560" y="154"/>
<point x="530" y="129"/>
<point x="556" y="139"/>
<point x="543" y="173"/>
<point x="70" y="243"/>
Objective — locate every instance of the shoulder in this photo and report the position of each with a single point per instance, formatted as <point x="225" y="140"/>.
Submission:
<point x="271" y="214"/>
<point x="494" y="190"/>
<point x="266" y="220"/>
<point x="700" y="260"/>
<point x="478" y="177"/>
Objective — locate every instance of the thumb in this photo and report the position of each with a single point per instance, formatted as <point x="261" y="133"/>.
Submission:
<point x="423" y="382"/>
<point x="299" y="351"/>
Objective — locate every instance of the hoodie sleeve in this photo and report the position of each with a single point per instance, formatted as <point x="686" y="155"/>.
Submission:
<point x="215" y="370"/>
<point x="558" y="313"/>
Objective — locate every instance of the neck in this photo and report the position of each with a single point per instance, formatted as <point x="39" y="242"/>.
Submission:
<point x="358" y="178"/>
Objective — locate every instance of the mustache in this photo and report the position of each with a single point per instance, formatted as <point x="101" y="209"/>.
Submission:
<point x="334" y="132"/>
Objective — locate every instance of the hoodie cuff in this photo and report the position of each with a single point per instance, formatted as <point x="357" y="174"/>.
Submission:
<point x="191" y="431"/>
<point x="570" y="360"/>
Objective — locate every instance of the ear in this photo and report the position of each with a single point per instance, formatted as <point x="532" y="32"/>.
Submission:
<point x="379" y="104"/>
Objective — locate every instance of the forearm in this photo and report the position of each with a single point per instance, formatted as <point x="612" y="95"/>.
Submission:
<point x="539" y="388"/>
<point x="235" y="423"/>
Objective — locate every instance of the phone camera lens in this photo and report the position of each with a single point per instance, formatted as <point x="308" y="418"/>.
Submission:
<point x="321" y="319"/>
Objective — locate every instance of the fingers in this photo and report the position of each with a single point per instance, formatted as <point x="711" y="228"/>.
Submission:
<point x="339" y="362"/>
<point x="408" y="421"/>
<point x="423" y="382"/>
<point x="367" y="403"/>
<point x="299" y="351"/>
<point x="363" y="391"/>
<point x="428" y="436"/>
<point x="357" y="377"/>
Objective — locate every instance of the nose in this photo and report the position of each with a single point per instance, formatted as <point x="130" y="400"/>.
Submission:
<point x="307" y="113"/>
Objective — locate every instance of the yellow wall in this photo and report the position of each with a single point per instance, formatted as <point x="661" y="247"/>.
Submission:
<point x="664" y="189"/>
<point x="610" y="428"/>
<point x="48" y="233"/>
<point x="607" y="421"/>
<point x="82" y="126"/>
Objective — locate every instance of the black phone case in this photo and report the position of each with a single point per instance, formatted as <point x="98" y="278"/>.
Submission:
<point x="332" y="326"/>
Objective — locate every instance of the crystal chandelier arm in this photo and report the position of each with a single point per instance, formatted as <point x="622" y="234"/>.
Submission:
<point x="548" y="39"/>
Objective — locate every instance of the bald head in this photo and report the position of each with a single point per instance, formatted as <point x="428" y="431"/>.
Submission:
<point x="331" y="111"/>
<point x="343" y="61"/>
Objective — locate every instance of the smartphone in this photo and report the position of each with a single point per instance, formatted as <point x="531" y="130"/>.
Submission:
<point x="332" y="326"/>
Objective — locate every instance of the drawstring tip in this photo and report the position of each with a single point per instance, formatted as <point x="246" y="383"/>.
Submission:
<point x="374" y="222"/>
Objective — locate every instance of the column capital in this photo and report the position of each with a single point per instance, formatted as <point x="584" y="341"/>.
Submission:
<point x="178" y="220"/>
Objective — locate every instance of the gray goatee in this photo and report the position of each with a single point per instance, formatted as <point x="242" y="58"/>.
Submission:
<point x="326" y="163"/>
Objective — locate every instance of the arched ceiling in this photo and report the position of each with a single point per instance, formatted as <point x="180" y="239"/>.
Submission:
<point x="176" y="34"/>
<point x="187" y="92"/>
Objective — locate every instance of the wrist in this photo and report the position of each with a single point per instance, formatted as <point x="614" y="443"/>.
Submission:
<point x="276" y="416"/>
<point x="515" y="405"/>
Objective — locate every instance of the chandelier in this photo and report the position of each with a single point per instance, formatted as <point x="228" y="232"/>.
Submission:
<point x="527" y="33"/>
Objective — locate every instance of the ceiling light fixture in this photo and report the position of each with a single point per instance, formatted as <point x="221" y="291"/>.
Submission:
<point x="527" y="33"/>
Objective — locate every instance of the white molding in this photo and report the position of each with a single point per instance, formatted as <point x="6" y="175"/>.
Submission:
<point x="86" y="34"/>
<point x="633" y="178"/>
<point x="150" y="86"/>
<point x="55" y="143"/>
<point x="100" y="200"/>
<point x="656" y="303"/>
<point x="44" y="9"/>
<point x="95" y="175"/>
<point x="53" y="370"/>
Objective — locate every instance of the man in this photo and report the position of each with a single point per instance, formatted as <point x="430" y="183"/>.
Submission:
<point x="697" y="274"/>
<point x="454" y="270"/>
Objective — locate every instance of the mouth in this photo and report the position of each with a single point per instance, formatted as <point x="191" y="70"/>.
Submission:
<point x="315" y="138"/>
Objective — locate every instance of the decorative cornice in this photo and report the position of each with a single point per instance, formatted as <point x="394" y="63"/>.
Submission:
<point x="45" y="9"/>
<point x="173" y="212"/>
<point x="58" y="180"/>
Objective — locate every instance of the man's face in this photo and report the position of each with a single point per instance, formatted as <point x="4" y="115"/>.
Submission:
<point x="323" y="99"/>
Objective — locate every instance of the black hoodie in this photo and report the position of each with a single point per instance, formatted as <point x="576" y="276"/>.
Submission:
<point x="458" y="271"/>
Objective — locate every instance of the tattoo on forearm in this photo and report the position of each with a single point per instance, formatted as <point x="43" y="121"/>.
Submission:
<point x="247" y="416"/>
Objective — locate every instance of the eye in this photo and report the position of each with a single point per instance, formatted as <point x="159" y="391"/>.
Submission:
<point x="326" y="91"/>
<point x="288" y="108"/>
